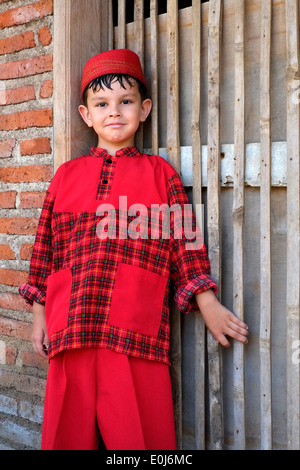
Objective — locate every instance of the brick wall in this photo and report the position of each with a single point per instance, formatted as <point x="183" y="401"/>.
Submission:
<point x="26" y="47"/>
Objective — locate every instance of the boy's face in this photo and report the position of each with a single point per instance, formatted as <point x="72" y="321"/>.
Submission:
<point x="115" y="115"/>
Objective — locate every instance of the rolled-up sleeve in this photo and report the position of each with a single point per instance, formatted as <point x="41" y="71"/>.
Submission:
<point x="190" y="266"/>
<point x="41" y="261"/>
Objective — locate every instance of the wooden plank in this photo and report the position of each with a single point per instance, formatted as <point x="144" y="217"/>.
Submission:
<point x="265" y="229"/>
<point x="75" y="43"/>
<point x="121" y="24"/>
<point x="213" y="212"/>
<point x="238" y="215"/>
<point x="197" y="202"/>
<point x="139" y="29"/>
<point x="139" y="49"/>
<point x="196" y="102"/>
<point x="61" y="68"/>
<point x="110" y="42"/>
<point x="154" y="76"/>
<point x="293" y="221"/>
<point x="173" y="140"/>
<point x="173" y="154"/>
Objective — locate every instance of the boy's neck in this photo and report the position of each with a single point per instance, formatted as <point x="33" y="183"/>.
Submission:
<point x="111" y="150"/>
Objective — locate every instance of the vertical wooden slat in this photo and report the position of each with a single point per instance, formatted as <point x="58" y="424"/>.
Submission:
<point x="293" y="221"/>
<point x="197" y="201"/>
<point x="196" y="88"/>
<point x="110" y="25"/>
<point x="75" y="41"/>
<point x="61" y="68"/>
<point x="154" y="76"/>
<point x="139" y="49"/>
<point x="265" y="228"/>
<point x="213" y="211"/>
<point x="173" y="140"/>
<point x="173" y="155"/>
<point x="139" y="29"/>
<point x="121" y="24"/>
<point x="238" y="211"/>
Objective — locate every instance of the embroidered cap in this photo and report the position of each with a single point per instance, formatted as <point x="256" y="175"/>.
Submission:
<point x="122" y="61"/>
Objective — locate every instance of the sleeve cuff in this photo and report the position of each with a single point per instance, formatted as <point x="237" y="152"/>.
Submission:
<point x="184" y="296"/>
<point x="32" y="294"/>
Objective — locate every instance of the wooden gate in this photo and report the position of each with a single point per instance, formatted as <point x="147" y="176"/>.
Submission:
<point x="225" y="85"/>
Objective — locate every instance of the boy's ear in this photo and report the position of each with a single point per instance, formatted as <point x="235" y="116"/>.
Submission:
<point x="84" y="112"/>
<point x="146" y="108"/>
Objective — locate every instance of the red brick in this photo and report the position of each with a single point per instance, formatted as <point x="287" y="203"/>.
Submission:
<point x="6" y="252"/>
<point x="35" y="146"/>
<point x="12" y="277"/>
<point x="19" y="95"/>
<point x="25" y="14"/>
<point x="18" y="225"/>
<point x="45" y="36"/>
<point x="32" y="199"/>
<point x="22" y="382"/>
<point x="15" y="328"/>
<point x="26" y="174"/>
<point x="6" y="148"/>
<point x="46" y="89"/>
<point x="26" y="67"/>
<point x="24" y="119"/>
<point x="11" y="301"/>
<point x="26" y="251"/>
<point x="31" y="359"/>
<point x="11" y="355"/>
<point x="17" y="43"/>
<point x="8" y="199"/>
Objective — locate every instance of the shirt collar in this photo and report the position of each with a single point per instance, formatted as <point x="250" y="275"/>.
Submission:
<point x="125" y="152"/>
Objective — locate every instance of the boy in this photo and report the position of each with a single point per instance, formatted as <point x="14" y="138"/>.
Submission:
<point x="100" y="302"/>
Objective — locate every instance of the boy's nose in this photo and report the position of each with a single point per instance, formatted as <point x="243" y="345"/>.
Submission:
<point x="115" y="111"/>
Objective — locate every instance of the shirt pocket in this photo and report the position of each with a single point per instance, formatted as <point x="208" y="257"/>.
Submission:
<point x="137" y="300"/>
<point x="59" y="286"/>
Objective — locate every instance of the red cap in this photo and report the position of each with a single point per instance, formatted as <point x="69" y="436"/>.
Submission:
<point x="122" y="61"/>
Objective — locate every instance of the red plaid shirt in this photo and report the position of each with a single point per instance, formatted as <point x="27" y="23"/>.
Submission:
<point x="111" y="289"/>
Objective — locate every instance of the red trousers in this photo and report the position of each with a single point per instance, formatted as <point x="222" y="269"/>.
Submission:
<point x="129" y="400"/>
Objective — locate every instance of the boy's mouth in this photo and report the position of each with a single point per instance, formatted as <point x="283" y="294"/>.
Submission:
<point x="115" y="125"/>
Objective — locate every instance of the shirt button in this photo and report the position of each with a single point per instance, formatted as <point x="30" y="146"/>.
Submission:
<point x="104" y="181"/>
<point x="108" y="160"/>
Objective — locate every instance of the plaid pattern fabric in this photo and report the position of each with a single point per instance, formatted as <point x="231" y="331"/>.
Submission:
<point x="113" y="291"/>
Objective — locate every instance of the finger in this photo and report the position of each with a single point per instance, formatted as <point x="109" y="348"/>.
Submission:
<point x="43" y="352"/>
<point x="238" y="328"/>
<point x="39" y="348"/>
<point x="224" y="342"/>
<point x="46" y="341"/>
<point x="238" y="322"/>
<point x="238" y="335"/>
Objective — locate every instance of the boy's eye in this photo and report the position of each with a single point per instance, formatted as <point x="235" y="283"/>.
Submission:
<point x="126" y="101"/>
<point x="101" y="105"/>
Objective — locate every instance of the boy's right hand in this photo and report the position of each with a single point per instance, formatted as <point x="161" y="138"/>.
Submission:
<point x="39" y="336"/>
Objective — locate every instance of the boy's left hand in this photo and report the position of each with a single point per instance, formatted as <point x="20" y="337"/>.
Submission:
<point x="220" y="321"/>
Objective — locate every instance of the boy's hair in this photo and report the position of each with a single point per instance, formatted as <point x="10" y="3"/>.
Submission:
<point x="107" y="80"/>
